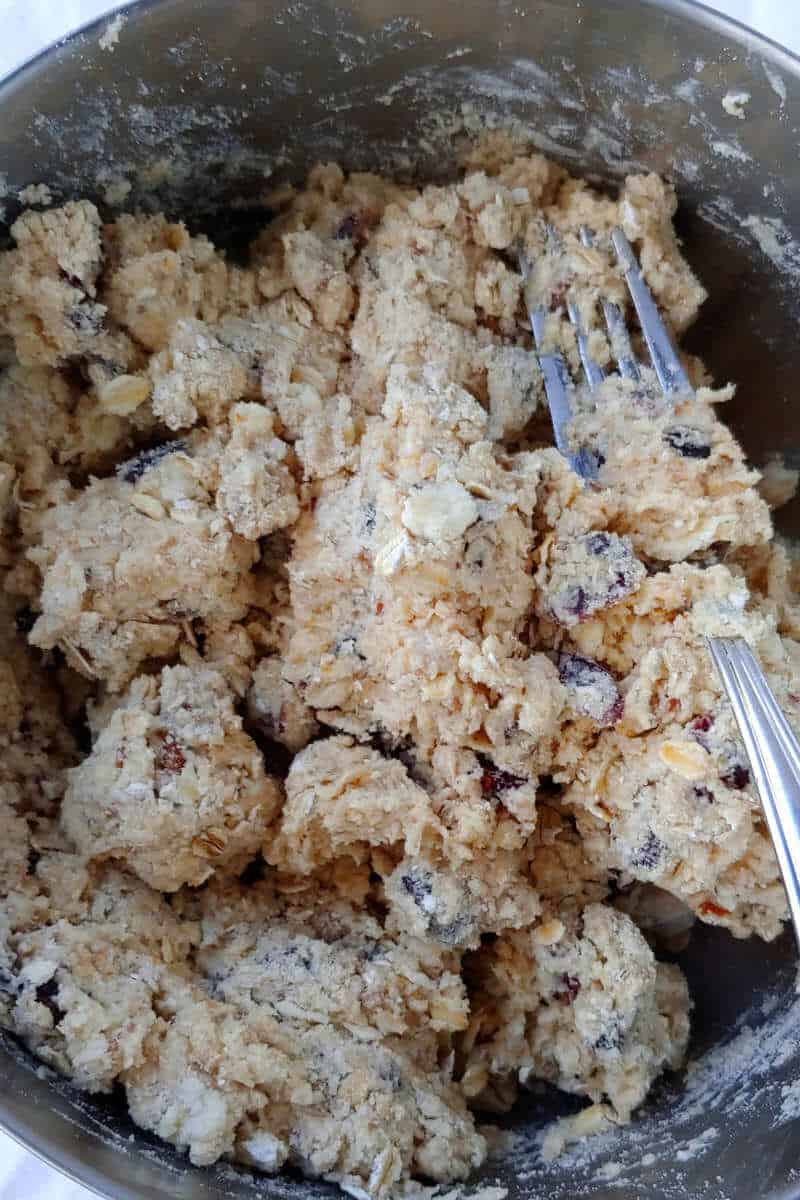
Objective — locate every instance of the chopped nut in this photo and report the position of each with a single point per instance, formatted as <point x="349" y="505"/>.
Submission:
<point x="548" y="932"/>
<point x="439" y="511"/>
<point x="599" y="808"/>
<point x="124" y="394"/>
<point x="390" y="557"/>
<point x="689" y="760"/>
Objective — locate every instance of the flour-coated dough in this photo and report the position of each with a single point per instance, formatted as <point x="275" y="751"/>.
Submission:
<point x="354" y="755"/>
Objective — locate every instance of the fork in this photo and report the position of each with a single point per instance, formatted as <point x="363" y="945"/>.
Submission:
<point x="770" y="743"/>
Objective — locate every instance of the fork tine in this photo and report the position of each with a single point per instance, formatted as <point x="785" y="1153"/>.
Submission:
<point x="618" y="335"/>
<point x="557" y="386"/>
<point x="667" y="365"/>
<point x="593" y="371"/>
<point x="620" y="340"/>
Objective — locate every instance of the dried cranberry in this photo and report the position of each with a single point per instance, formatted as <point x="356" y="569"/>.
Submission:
<point x="355" y="225"/>
<point x="45" y="994"/>
<point x="610" y="1040"/>
<point x="71" y="279"/>
<point x="575" y="671"/>
<point x="495" y="781"/>
<point x="650" y="854"/>
<point x="710" y="908"/>
<point x="589" y="573"/>
<point x="419" y="887"/>
<point x="737" y="776"/>
<point x="254" y="872"/>
<point x="135" y="468"/>
<point x="170" y="757"/>
<point x="575" y="602"/>
<point x="297" y="954"/>
<point x="277" y="757"/>
<point x="649" y="399"/>
<point x="270" y="725"/>
<point x="597" y="543"/>
<point x="368" y="517"/>
<point x="689" y="442"/>
<point x="592" y="689"/>
<point x="86" y="318"/>
<point x="349" y="227"/>
<point x="348" y="645"/>
<point x="699" y="727"/>
<point x="448" y="923"/>
<point x="570" y="986"/>
<point x="453" y="933"/>
<point x="24" y="620"/>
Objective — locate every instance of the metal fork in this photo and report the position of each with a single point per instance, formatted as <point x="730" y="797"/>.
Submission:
<point x="771" y="745"/>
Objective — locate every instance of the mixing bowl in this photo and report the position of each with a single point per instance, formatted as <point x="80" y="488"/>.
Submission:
<point x="191" y="106"/>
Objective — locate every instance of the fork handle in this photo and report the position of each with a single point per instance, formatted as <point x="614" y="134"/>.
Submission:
<point x="773" y="751"/>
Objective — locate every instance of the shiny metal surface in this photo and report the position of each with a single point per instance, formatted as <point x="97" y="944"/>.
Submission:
<point x="773" y="751"/>
<point x="202" y="100"/>
<point x="592" y="370"/>
<point x="619" y="338"/>
<point x="663" y="355"/>
<point x="558" y="385"/>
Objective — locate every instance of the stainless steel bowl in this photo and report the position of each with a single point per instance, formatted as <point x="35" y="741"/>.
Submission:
<point x="200" y="100"/>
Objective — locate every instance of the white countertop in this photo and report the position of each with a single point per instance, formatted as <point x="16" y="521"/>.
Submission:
<point x="29" y="26"/>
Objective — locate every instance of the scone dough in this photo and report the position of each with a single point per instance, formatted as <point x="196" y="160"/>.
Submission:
<point x="356" y="760"/>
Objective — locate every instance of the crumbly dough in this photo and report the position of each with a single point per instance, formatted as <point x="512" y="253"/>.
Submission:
<point x="173" y="787"/>
<point x="585" y="1006"/>
<point x="129" y="560"/>
<point x="356" y="761"/>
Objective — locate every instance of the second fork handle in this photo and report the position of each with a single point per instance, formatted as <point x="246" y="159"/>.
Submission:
<point x="774" y="754"/>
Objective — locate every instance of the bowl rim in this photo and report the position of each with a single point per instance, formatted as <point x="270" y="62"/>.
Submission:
<point x="710" y="17"/>
<point x="62" y="1159"/>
